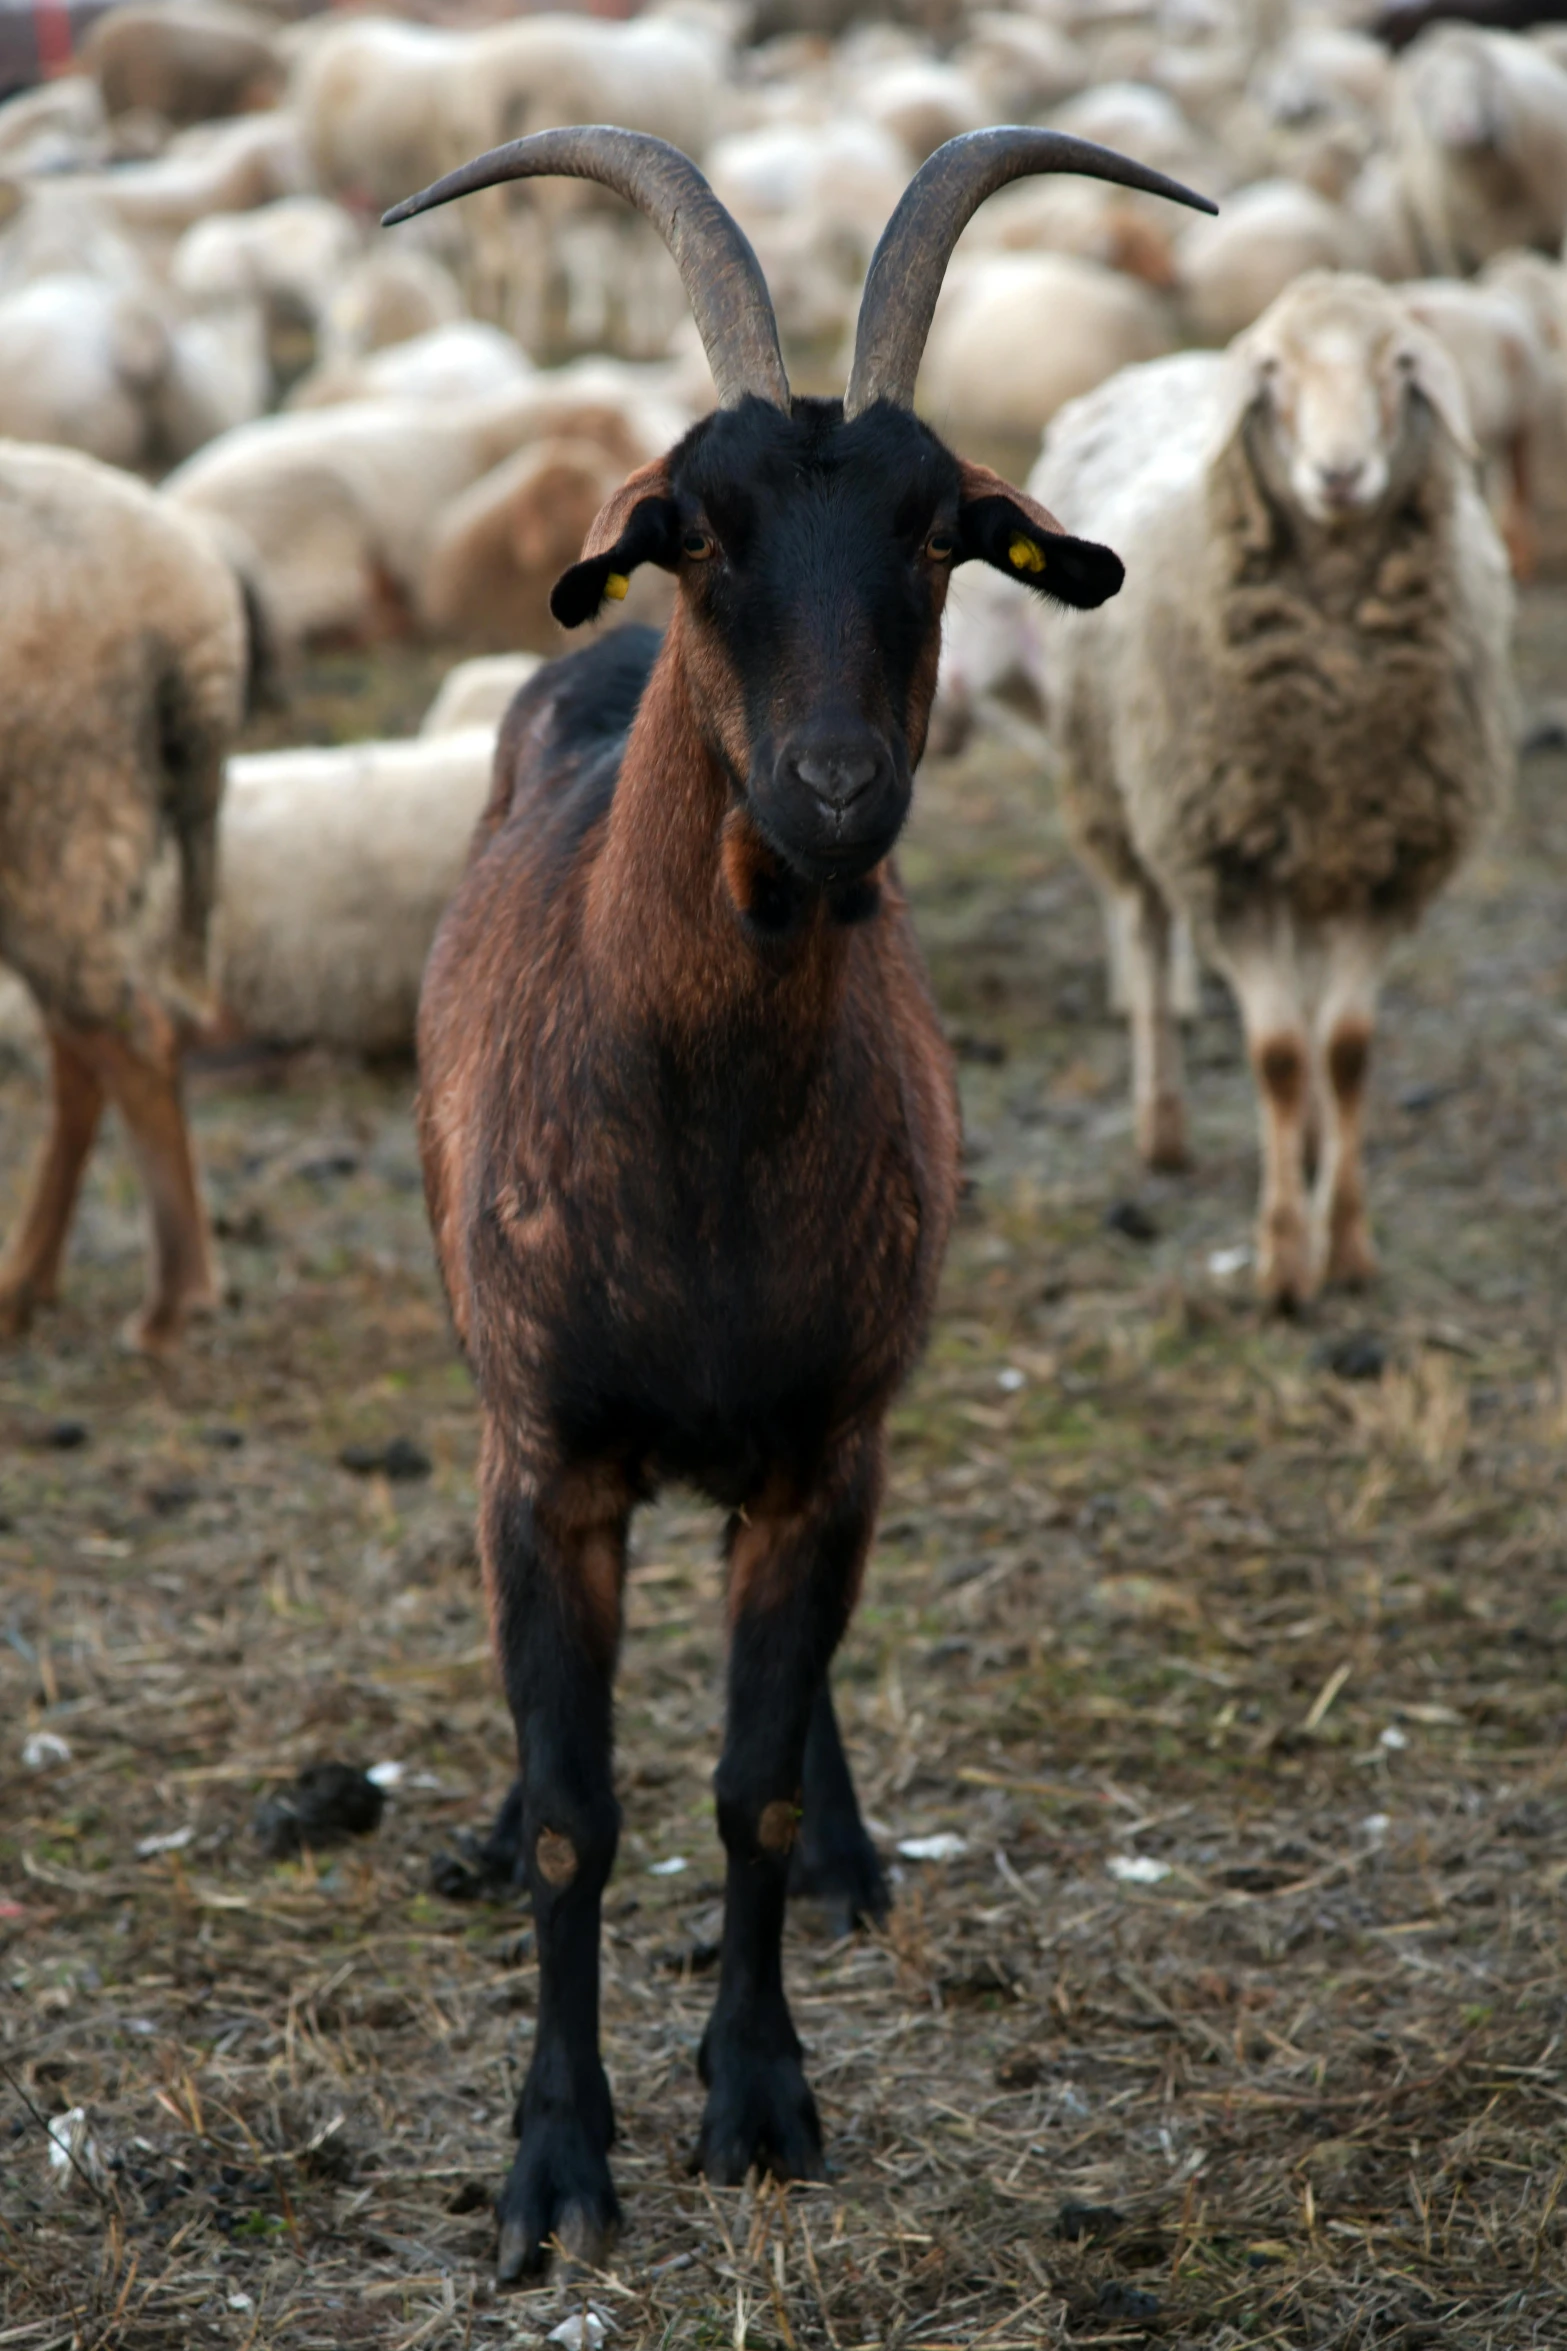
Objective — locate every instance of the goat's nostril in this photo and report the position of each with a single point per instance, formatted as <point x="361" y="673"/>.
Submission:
<point x="837" y="777"/>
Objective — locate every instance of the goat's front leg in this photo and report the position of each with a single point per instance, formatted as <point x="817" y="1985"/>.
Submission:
<point x="554" y="1557"/>
<point x="796" y="1556"/>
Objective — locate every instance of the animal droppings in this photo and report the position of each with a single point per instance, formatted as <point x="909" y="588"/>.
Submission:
<point x="327" y="1802"/>
<point x="400" y="1458"/>
<point x="1361" y="1356"/>
<point x="1132" y="1220"/>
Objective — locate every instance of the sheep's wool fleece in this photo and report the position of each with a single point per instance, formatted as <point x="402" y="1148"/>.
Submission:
<point x="124" y="643"/>
<point x="1268" y="712"/>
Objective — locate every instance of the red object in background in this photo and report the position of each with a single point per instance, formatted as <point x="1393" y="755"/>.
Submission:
<point x="39" y="38"/>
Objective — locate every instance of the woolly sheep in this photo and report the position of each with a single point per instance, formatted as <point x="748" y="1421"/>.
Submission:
<point x="1480" y="136"/>
<point x="478" y="692"/>
<point x="126" y="644"/>
<point x="110" y="372"/>
<point x="1509" y="387"/>
<point x="464" y="361"/>
<point x="291" y="255"/>
<point x="1230" y="269"/>
<point x="500" y="547"/>
<point x="994" y="367"/>
<point x="336" y="866"/>
<point x="331" y="513"/>
<point x="1294" y="722"/>
<point x="185" y="60"/>
<point x="391" y="294"/>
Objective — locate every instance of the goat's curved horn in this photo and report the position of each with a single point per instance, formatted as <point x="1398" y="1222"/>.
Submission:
<point x="935" y="208"/>
<point x="722" y="276"/>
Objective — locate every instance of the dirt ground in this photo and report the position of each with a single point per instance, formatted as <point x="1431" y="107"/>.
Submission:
<point x="1235" y="2014"/>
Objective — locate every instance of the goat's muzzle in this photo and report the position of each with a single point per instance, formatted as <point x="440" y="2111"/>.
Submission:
<point x="831" y="797"/>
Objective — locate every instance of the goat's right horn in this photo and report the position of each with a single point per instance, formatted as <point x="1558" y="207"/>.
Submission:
<point x="935" y="208"/>
<point x="722" y="276"/>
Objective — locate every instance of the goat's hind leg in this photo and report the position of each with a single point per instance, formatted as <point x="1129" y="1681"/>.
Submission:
<point x="554" y="1560"/>
<point x="834" y="1862"/>
<point x="796" y="1556"/>
<point x="30" y="1270"/>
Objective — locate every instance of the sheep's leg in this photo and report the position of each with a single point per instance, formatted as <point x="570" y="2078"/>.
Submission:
<point x="1158" y="1084"/>
<point x="1264" y="976"/>
<point x="795" y="1564"/>
<point x="1116" y="908"/>
<point x="554" y="1561"/>
<point x="834" y="1861"/>
<point x="1345" y="1014"/>
<point x="1517" y="521"/>
<point x="144" y="1086"/>
<point x="1185" y="972"/>
<point x="30" y="1270"/>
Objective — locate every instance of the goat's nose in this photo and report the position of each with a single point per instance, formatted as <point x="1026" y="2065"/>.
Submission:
<point x="837" y="773"/>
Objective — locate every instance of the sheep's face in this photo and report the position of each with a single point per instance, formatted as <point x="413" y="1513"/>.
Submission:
<point x="813" y="557"/>
<point x="1342" y="395"/>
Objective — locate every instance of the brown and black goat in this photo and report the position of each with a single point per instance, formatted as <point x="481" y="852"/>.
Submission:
<point x="689" y="1127"/>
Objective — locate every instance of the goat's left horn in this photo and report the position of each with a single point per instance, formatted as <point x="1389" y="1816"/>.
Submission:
<point x="935" y="208"/>
<point x="722" y="276"/>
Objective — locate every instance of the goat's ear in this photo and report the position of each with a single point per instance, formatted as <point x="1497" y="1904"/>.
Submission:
<point x="1012" y="532"/>
<point x="640" y="524"/>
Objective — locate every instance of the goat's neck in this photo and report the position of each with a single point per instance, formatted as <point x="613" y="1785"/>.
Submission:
<point x="664" y="938"/>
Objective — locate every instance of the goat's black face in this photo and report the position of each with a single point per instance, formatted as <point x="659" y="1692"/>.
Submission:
<point x="813" y="557"/>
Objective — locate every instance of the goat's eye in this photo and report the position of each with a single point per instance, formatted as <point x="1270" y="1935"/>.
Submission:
<point x="698" y="545"/>
<point x="941" y="546"/>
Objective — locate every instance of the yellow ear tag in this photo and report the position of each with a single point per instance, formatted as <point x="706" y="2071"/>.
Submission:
<point x="616" y="585"/>
<point x="1025" y="556"/>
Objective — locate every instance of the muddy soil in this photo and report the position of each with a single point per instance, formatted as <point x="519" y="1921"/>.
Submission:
<point x="1234" y="2012"/>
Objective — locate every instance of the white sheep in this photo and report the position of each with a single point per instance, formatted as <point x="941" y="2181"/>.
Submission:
<point x="466" y="360"/>
<point x="1293" y="723"/>
<point x="336" y="865"/>
<point x="1230" y="268"/>
<point x="331" y="513"/>
<point x="1510" y="388"/>
<point x="127" y="658"/>
<point x="1016" y="335"/>
<point x="478" y="692"/>
<point x="1480" y="137"/>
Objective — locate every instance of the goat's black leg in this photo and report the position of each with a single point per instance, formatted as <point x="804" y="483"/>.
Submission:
<point x="834" y="1861"/>
<point x="554" y="1554"/>
<point x="795" y="1564"/>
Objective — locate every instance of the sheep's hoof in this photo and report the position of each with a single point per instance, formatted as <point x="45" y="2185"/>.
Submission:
<point x="1161" y="1134"/>
<point x="1286" y="1280"/>
<point x="1352" y="1257"/>
<point x="17" y="1301"/>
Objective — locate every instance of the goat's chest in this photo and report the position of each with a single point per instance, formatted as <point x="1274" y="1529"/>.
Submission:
<point x="696" y="1253"/>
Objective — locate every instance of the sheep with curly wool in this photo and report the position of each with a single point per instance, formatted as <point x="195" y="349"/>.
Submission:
<point x="1296" y="721"/>
<point x="126" y="661"/>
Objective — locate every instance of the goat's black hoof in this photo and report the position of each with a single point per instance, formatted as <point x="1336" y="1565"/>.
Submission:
<point x="559" y="2193"/>
<point x="760" y="2115"/>
<point x="845" y="1878"/>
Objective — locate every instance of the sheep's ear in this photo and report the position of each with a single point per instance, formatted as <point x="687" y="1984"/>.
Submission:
<point x="1015" y="535"/>
<point x="1424" y="364"/>
<point x="640" y="524"/>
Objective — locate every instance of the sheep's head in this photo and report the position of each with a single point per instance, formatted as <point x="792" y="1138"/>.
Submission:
<point x="1339" y="393"/>
<point x="813" y="554"/>
<point x="812" y="539"/>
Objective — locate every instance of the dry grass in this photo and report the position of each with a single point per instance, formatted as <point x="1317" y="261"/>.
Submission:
<point x="1178" y="1594"/>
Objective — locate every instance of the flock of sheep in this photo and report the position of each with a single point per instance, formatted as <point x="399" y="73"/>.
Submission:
<point x="1281" y="740"/>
